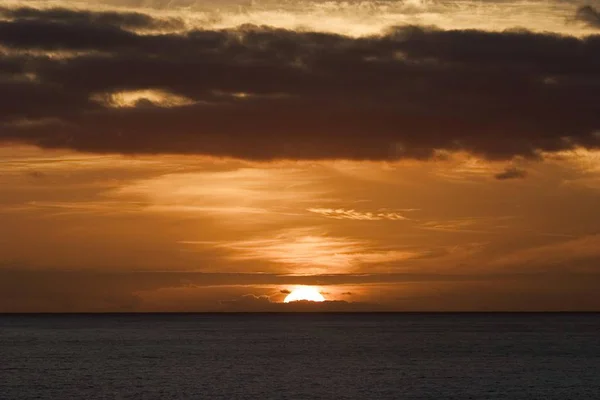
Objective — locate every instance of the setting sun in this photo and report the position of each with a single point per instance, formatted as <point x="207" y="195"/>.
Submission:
<point x="304" y="293"/>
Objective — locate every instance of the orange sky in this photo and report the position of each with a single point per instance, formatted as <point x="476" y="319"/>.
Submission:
<point x="91" y="220"/>
<point x="86" y="232"/>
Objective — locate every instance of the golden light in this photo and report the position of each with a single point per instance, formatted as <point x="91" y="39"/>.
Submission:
<point x="133" y="98"/>
<point x="304" y="293"/>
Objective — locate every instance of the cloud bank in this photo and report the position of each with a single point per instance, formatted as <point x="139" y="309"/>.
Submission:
<point x="260" y="93"/>
<point x="252" y="303"/>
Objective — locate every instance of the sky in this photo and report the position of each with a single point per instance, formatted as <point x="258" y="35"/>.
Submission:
<point x="182" y="155"/>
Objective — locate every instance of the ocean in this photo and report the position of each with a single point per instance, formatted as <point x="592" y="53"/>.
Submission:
<point x="300" y="356"/>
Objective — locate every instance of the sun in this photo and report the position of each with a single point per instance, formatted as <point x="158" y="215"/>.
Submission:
<point x="304" y="293"/>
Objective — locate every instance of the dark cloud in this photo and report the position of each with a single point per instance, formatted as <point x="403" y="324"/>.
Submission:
<point x="252" y="303"/>
<point x="11" y="65"/>
<point x="511" y="173"/>
<point x="128" y="20"/>
<point x="588" y="15"/>
<point x="285" y="291"/>
<point x="262" y="93"/>
<point x="76" y="36"/>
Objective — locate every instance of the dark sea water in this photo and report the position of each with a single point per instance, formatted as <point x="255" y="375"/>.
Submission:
<point x="300" y="356"/>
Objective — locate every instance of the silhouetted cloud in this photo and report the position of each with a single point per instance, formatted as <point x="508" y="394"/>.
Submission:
<point x="511" y="173"/>
<point x="252" y="303"/>
<point x="589" y="15"/>
<point x="261" y="93"/>
<point x="128" y="20"/>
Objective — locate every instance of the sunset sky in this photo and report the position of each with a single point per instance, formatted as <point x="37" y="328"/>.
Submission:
<point x="183" y="155"/>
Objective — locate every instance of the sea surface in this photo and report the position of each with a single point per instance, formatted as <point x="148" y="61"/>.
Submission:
<point x="300" y="356"/>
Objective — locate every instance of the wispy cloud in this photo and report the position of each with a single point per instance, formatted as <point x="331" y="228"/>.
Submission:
<point x="310" y="250"/>
<point x="468" y="224"/>
<point x="268" y="193"/>
<point x="340" y="213"/>
<point x="141" y="98"/>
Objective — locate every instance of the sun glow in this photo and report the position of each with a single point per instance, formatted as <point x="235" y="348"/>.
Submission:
<point x="304" y="293"/>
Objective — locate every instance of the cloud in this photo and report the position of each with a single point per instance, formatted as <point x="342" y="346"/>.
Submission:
<point x="408" y="93"/>
<point x="143" y="98"/>
<point x="468" y="224"/>
<point x="511" y="173"/>
<point x="252" y="303"/>
<point x="310" y="250"/>
<point x="352" y="18"/>
<point x="119" y="19"/>
<point x="341" y="213"/>
<point x="589" y="15"/>
<point x="269" y="195"/>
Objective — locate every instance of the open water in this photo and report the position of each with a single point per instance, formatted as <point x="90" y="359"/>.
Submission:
<point x="300" y="356"/>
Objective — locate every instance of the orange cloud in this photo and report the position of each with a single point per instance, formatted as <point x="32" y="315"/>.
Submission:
<point x="310" y="250"/>
<point x="341" y="213"/>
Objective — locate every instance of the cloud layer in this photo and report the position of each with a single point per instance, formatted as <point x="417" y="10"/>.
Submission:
<point x="261" y="93"/>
